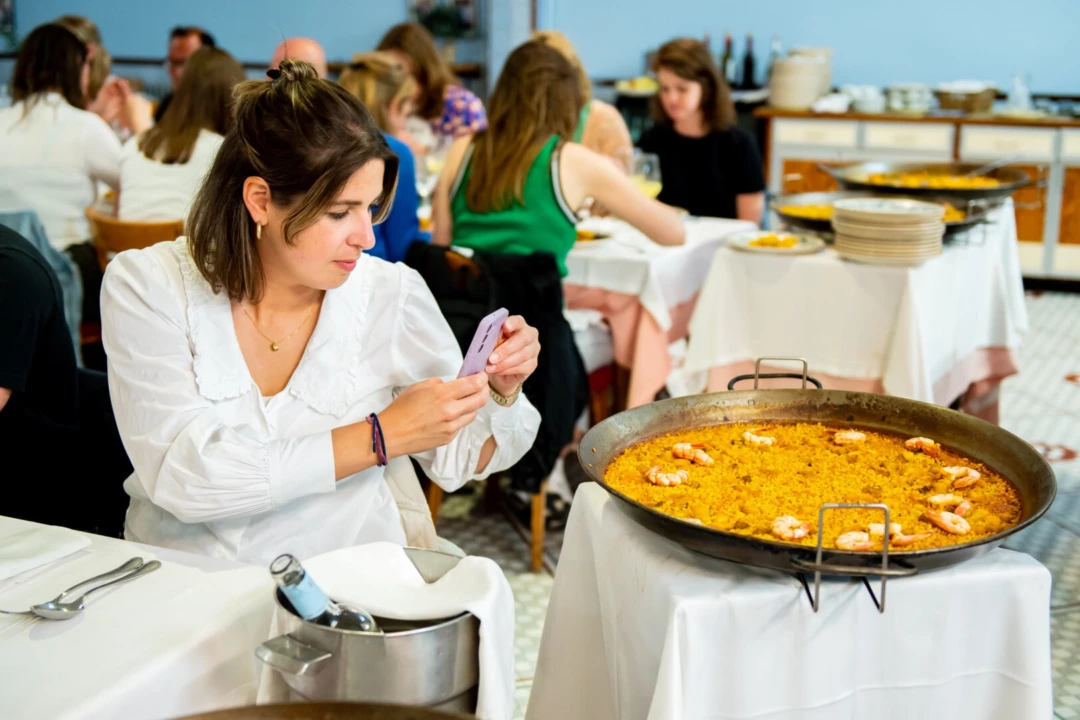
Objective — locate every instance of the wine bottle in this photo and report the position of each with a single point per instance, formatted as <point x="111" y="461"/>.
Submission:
<point x="748" y="70"/>
<point x="727" y="61"/>
<point x="774" y="55"/>
<point x="311" y="603"/>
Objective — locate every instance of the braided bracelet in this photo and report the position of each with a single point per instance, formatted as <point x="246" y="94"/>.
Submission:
<point x="378" y="441"/>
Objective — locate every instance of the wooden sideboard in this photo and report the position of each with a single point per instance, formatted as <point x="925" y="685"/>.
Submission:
<point x="1047" y="217"/>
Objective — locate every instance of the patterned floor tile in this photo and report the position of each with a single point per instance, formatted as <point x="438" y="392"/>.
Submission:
<point x="1066" y="510"/>
<point x="1065" y="663"/>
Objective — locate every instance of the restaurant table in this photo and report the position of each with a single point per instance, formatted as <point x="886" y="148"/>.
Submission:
<point x="179" y="641"/>
<point x="645" y="291"/>
<point x="930" y="333"/>
<point x="639" y="627"/>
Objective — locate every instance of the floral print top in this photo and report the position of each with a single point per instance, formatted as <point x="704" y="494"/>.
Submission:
<point x="463" y="113"/>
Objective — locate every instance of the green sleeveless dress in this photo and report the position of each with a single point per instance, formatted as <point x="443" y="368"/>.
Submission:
<point x="544" y="222"/>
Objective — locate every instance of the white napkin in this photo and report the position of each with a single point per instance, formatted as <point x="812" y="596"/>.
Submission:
<point x="380" y="578"/>
<point x="33" y="548"/>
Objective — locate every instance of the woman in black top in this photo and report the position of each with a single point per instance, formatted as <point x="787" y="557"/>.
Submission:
<point x="708" y="166"/>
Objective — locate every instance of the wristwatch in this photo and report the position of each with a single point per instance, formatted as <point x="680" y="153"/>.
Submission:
<point x="502" y="399"/>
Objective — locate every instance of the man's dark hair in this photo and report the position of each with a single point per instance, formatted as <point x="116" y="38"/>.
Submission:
<point x="205" y="38"/>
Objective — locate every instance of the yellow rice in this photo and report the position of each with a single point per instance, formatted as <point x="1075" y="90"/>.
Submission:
<point x="750" y="486"/>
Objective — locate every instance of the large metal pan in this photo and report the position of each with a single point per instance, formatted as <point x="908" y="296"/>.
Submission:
<point x="997" y="448"/>
<point x="853" y="177"/>
<point x="975" y="213"/>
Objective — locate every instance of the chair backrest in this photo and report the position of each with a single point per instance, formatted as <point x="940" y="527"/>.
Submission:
<point x="112" y="236"/>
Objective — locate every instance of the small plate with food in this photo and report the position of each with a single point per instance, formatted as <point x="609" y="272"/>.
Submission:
<point x="775" y="243"/>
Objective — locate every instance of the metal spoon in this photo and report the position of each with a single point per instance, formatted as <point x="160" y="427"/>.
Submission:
<point x="66" y="611"/>
<point x="133" y="564"/>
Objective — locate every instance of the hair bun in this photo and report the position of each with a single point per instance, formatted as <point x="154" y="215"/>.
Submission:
<point x="297" y="70"/>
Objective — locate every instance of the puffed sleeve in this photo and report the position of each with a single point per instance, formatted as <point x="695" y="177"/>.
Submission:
<point x="425" y="347"/>
<point x="189" y="459"/>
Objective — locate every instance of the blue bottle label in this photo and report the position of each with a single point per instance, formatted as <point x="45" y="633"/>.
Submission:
<point x="307" y="598"/>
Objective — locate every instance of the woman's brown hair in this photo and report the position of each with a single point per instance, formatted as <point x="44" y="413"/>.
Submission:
<point x="305" y="137"/>
<point x="51" y="59"/>
<point x="431" y="72"/>
<point x="378" y="80"/>
<point x="100" y="60"/>
<point x="203" y="101"/>
<point x="537" y="95"/>
<point x="690" y="59"/>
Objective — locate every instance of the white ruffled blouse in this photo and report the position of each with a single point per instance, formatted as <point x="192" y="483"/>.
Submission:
<point x="221" y="471"/>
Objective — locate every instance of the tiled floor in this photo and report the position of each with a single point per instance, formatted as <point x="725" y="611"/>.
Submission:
<point x="1041" y="405"/>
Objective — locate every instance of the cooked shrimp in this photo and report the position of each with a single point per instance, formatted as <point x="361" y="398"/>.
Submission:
<point x="753" y="439"/>
<point x="848" y="437"/>
<point x="879" y="529"/>
<point x="693" y="453"/>
<point x="960" y="506"/>
<point x="855" y="541"/>
<point x="671" y="479"/>
<point x="927" y="445"/>
<point x="787" y="527"/>
<point x="947" y="521"/>
<point x="900" y="540"/>
<point x="896" y="536"/>
<point x="962" y="477"/>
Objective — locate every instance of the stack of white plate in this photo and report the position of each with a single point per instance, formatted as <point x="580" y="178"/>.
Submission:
<point x="887" y="231"/>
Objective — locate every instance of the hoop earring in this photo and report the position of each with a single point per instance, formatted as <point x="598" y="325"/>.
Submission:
<point x="258" y="231"/>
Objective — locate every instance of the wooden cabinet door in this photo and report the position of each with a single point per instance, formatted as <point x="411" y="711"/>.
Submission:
<point x="1030" y="206"/>
<point x="1069" y="232"/>
<point x="802" y="176"/>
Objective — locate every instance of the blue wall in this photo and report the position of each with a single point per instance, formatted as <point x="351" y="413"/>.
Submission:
<point x="876" y="41"/>
<point x="249" y="29"/>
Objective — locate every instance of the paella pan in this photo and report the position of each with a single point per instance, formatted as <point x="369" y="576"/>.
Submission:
<point x="813" y="211"/>
<point x="947" y="180"/>
<point x="961" y="438"/>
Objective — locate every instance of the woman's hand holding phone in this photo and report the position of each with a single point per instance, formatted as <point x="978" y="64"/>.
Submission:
<point x="514" y="358"/>
<point x="430" y="413"/>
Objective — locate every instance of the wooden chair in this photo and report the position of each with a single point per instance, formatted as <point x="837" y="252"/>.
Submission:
<point x="112" y="236"/>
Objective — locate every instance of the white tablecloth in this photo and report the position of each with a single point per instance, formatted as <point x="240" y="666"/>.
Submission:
<point x="639" y="627"/>
<point x="176" y="642"/>
<point x="907" y="326"/>
<point x="662" y="277"/>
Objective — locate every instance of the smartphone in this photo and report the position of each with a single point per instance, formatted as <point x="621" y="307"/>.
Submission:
<point x="483" y="343"/>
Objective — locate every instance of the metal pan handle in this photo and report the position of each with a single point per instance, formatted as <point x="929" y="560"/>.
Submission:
<point x="770" y="376"/>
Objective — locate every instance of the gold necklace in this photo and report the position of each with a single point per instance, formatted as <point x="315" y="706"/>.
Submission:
<point x="275" y="346"/>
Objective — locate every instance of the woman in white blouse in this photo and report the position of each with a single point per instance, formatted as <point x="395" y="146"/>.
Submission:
<point x="161" y="169"/>
<point x="52" y="151"/>
<point x="251" y="362"/>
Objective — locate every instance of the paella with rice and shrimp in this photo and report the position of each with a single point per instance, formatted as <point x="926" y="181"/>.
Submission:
<point x="769" y="481"/>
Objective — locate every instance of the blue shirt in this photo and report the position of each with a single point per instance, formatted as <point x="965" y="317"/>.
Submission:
<point x="400" y="229"/>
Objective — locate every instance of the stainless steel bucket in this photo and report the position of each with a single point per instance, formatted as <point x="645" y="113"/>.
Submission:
<point x="430" y="663"/>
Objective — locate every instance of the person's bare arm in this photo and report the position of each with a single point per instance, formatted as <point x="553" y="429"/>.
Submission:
<point x="5" y="394"/>
<point x="750" y="206"/>
<point x="584" y="173"/>
<point x="443" y="231"/>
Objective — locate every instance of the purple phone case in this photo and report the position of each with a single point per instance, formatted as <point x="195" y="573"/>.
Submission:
<point x="483" y="343"/>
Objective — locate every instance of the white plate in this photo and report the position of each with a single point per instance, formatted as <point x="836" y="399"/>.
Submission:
<point x="807" y="244"/>
<point x="896" y="262"/>
<point x="886" y="210"/>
